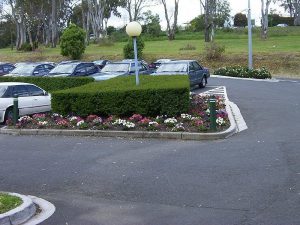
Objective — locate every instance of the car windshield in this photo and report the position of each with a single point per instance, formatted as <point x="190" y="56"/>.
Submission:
<point x="24" y="69"/>
<point x="63" y="68"/>
<point x="172" y="67"/>
<point x="116" y="67"/>
<point x="2" y="90"/>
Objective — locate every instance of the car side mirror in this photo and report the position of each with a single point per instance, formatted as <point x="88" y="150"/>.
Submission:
<point x="46" y="93"/>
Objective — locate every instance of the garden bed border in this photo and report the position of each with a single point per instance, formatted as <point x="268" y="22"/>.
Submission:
<point x="132" y="134"/>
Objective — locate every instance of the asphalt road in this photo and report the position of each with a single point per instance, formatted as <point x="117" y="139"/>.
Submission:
<point x="251" y="178"/>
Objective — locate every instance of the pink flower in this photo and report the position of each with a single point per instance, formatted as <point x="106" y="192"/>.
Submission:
<point x="136" y="117"/>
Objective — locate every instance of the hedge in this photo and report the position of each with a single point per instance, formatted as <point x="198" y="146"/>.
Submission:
<point x="51" y="84"/>
<point x="156" y="95"/>
<point x="239" y="71"/>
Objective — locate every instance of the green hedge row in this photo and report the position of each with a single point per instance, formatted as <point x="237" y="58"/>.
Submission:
<point x="156" y="95"/>
<point x="239" y="71"/>
<point x="51" y="84"/>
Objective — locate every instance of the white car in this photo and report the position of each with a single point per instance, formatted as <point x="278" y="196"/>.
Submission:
<point x="32" y="99"/>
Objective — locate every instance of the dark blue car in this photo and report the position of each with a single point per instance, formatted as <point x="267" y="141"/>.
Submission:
<point x="6" y="68"/>
<point x="197" y="74"/>
<point x="74" y="69"/>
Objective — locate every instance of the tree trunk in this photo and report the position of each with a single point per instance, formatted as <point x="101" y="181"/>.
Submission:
<point x="54" y="23"/>
<point x="264" y="19"/>
<point x="171" y="29"/>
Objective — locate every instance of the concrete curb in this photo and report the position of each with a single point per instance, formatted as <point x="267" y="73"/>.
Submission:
<point x="20" y="214"/>
<point x="132" y="134"/>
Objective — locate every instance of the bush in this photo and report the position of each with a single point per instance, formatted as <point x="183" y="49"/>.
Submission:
<point x="51" y="84"/>
<point x="188" y="47"/>
<point x="72" y="42"/>
<point x="214" y="51"/>
<point x="239" y="71"/>
<point x="128" y="50"/>
<point x="156" y="95"/>
<point x="26" y="47"/>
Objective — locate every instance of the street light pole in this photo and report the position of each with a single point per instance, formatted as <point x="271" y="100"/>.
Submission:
<point x="134" y="29"/>
<point x="250" y="61"/>
<point x="137" y="81"/>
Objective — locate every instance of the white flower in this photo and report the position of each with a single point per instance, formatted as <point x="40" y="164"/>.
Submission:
<point x="73" y="118"/>
<point x="207" y="111"/>
<point x="80" y="123"/>
<point x="178" y="126"/>
<point x="124" y="123"/>
<point x="153" y="123"/>
<point x="25" y="118"/>
<point x="186" y="116"/>
<point x="220" y="121"/>
<point x="56" y="115"/>
<point x="170" y="120"/>
<point x="129" y="125"/>
<point x="42" y="123"/>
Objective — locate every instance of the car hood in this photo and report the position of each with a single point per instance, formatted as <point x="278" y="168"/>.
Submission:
<point x="106" y="76"/>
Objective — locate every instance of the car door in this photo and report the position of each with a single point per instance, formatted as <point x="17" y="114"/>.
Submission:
<point x="91" y="69"/>
<point x="25" y="100"/>
<point x="192" y="73"/>
<point x="41" y="101"/>
<point x="199" y="72"/>
<point x="39" y="71"/>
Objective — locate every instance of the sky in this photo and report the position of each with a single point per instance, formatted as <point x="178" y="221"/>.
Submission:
<point x="189" y="9"/>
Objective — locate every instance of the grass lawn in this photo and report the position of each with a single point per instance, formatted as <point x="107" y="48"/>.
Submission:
<point x="280" y="53"/>
<point x="8" y="202"/>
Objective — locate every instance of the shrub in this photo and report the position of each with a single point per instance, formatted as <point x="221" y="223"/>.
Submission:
<point x="51" y="84"/>
<point x="239" y="71"/>
<point x="26" y="47"/>
<point x="128" y="50"/>
<point x="72" y="42"/>
<point x="214" y="51"/>
<point x="188" y="47"/>
<point x="156" y="95"/>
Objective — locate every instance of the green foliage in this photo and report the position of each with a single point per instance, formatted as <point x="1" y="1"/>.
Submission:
<point x="240" y="20"/>
<point x="51" y="84"/>
<point x="275" y="19"/>
<point x="239" y="71"/>
<point x="214" y="51"/>
<point x="128" y="50"/>
<point x="156" y="95"/>
<point x="26" y="47"/>
<point x="8" y="202"/>
<point x="72" y="42"/>
<point x="197" y="24"/>
<point x="152" y="24"/>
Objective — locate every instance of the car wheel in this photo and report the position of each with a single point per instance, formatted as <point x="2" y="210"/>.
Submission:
<point x="203" y="82"/>
<point x="8" y="114"/>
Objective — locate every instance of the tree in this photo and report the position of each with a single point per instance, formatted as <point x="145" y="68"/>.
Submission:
<point x="128" y="49"/>
<point x="265" y="5"/>
<point x="197" y="24"/>
<point x="222" y="13"/>
<point x="151" y="24"/>
<point x="293" y="7"/>
<point x="72" y="42"/>
<point x="240" y="20"/>
<point x="134" y="8"/>
<point x="171" y="28"/>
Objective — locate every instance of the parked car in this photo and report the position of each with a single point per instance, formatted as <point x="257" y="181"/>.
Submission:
<point x="74" y="69"/>
<point x="282" y="25"/>
<point x="121" y="68"/>
<point x="197" y="74"/>
<point x="101" y="63"/>
<point x="6" y="68"/>
<point x="158" y="62"/>
<point x="32" y="99"/>
<point x="31" y="69"/>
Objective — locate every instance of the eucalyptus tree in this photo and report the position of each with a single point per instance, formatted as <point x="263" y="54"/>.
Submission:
<point x="135" y="8"/>
<point x="265" y="6"/>
<point x="293" y="8"/>
<point x="171" y="27"/>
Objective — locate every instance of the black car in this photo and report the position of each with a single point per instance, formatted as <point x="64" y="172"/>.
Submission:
<point x="6" y="68"/>
<point x="101" y="63"/>
<point x="74" y="69"/>
<point x="31" y="69"/>
<point x="197" y="74"/>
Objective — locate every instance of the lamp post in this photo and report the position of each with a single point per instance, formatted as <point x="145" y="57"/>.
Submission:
<point x="250" y="63"/>
<point x="134" y="29"/>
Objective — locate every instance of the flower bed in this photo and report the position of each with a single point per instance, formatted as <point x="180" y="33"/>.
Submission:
<point x="196" y="120"/>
